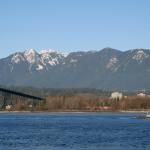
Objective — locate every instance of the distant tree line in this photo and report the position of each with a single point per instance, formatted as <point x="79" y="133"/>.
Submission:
<point x="44" y="92"/>
<point x="72" y="100"/>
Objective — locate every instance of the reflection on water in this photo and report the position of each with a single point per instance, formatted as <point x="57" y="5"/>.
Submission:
<point x="74" y="131"/>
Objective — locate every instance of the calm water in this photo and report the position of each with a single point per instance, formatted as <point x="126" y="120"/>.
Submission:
<point x="74" y="131"/>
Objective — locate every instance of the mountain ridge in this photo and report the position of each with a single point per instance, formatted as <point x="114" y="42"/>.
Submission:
<point x="105" y="69"/>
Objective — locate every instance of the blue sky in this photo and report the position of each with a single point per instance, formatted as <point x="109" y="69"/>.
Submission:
<point x="72" y="25"/>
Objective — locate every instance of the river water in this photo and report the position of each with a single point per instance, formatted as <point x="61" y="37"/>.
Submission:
<point x="74" y="131"/>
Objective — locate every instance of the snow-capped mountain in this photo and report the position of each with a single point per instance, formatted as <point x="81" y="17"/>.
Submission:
<point x="37" y="61"/>
<point x="107" y="69"/>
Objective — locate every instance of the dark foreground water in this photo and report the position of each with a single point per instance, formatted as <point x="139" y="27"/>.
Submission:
<point x="74" y="131"/>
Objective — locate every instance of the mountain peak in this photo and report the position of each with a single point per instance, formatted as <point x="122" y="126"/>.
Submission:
<point x="29" y="51"/>
<point x="31" y="56"/>
<point x="16" y="58"/>
<point x="108" y="49"/>
<point x="140" y="55"/>
<point x="45" y="51"/>
<point x="49" y="51"/>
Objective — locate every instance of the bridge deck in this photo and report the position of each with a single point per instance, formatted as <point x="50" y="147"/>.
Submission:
<point x="20" y="94"/>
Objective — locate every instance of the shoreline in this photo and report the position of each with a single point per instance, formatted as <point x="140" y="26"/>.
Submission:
<point x="120" y="111"/>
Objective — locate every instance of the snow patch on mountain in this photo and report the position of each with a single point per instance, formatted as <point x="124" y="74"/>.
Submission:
<point x="45" y="57"/>
<point x="111" y="63"/>
<point x="73" y="60"/>
<point x="16" y="58"/>
<point x="50" y="57"/>
<point x="31" y="56"/>
<point x="39" y="67"/>
<point x="11" y="67"/>
<point x="40" y="60"/>
<point x="53" y="62"/>
<point x="50" y="51"/>
<point x="140" y="56"/>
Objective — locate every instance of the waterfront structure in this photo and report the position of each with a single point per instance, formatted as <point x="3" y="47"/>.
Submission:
<point x="116" y="95"/>
<point x="141" y="94"/>
<point x="8" y="107"/>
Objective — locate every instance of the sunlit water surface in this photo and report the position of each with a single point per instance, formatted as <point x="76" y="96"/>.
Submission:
<point x="74" y="131"/>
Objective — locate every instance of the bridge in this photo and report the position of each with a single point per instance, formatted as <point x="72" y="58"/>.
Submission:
<point x="11" y="97"/>
<point x="20" y="94"/>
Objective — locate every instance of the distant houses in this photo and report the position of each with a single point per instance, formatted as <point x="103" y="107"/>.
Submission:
<point x="116" y="96"/>
<point x="8" y="107"/>
<point x="141" y="94"/>
<point x="119" y="95"/>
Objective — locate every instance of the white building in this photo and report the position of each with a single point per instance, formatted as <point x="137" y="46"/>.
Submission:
<point x="116" y="95"/>
<point x="141" y="94"/>
<point x="8" y="107"/>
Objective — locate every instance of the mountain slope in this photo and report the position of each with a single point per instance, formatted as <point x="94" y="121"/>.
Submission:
<point x="105" y="69"/>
